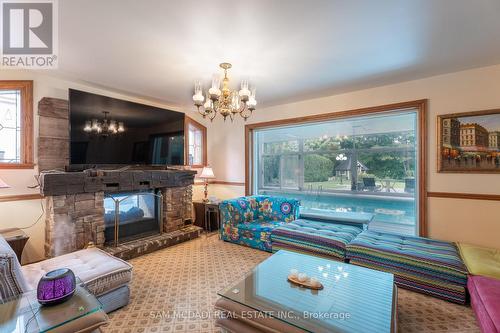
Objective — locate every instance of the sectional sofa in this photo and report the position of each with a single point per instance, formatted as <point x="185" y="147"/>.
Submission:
<point x="441" y="269"/>
<point x="420" y="264"/>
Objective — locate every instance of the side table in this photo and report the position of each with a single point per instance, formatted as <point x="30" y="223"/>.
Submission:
<point x="207" y="215"/>
<point x="81" y="313"/>
<point x="17" y="239"/>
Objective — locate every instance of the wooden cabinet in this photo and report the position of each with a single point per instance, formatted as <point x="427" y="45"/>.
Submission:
<point x="17" y="239"/>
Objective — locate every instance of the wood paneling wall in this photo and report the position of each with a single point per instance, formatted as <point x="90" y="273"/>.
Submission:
<point x="53" y="140"/>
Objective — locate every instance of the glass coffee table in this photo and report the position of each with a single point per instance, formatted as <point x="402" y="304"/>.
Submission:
<point x="24" y="314"/>
<point x="354" y="299"/>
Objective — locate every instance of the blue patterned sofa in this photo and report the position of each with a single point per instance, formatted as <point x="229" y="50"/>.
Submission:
<point x="250" y="220"/>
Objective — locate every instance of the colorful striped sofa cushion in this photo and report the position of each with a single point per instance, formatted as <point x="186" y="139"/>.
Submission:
<point x="421" y="264"/>
<point x="314" y="237"/>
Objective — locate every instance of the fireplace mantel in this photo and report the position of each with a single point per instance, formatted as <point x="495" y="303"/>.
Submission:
<point x="62" y="183"/>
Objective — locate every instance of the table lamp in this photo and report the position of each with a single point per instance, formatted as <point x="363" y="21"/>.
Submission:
<point x="3" y="184"/>
<point x="206" y="174"/>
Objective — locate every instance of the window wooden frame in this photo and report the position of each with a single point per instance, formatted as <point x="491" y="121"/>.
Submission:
<point x="419" y="105"/>
<point x="26" y="88"/>
<point x="191" y="122"/>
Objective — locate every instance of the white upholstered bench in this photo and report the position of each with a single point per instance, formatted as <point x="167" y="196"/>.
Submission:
<point x="106" y="276"/>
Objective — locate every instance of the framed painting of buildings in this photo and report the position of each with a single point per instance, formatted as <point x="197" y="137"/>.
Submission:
<point x="469" y="142"/>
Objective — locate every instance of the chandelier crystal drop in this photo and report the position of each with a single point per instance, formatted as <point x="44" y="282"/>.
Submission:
<point x="223" y="100"/>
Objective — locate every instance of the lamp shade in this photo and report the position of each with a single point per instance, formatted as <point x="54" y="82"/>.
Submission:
<point x="207" y="173"/>
<point x="3" y="184"/>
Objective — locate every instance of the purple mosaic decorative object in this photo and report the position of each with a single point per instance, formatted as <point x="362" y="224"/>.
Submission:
<point x="56" y="286"/>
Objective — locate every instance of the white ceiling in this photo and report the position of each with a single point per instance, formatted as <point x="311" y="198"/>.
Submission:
<point x="290" y="49"/>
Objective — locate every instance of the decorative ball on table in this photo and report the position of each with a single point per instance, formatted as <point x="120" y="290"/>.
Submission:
<point x="56" y="286"/>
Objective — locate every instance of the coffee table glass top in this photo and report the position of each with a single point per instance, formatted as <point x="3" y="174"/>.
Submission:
<point x="354" y="299"/>
<point x="25" y="314"/>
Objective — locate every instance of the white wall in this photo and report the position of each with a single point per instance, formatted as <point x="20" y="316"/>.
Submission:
<point x="450" y="219"/>
<point x="24" y="213"/>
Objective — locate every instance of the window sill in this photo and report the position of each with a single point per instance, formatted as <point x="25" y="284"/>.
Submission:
<point x="20" y="197"/>
<point x="17" y="166"/>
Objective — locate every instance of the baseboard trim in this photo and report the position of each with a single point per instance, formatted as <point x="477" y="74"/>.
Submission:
<point x="20" y="197"/>
<point x="469" y="196"/>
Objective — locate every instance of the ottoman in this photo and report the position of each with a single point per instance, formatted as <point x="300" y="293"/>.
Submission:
<point x="420" y="264"/>
<point x="485" y="300"/>
<point x="106" y="276"/>
<point x="313" y="237"/>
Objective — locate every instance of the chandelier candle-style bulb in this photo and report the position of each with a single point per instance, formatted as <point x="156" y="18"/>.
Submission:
<point x="244" y="91"/>
<point x="215" y="81"/>
<point x="112" y="126"/>
<point x="88" y="126"/>
<point x="198" y="90"/>
<point x="208" y="104"/>
<point x="198" y="97"/>
<point x="95" y="125"/>
<point x="252" y="102"/>
<point x="214" y="91"/>
<point x="121" y="127"/>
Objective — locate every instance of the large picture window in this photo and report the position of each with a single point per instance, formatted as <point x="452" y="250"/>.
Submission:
<point x="364" y="163"/>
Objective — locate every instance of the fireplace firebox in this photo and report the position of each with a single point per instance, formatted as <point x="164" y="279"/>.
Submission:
<point x="132" y="215"/>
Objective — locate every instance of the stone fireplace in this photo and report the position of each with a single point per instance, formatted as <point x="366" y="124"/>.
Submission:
<point x="73" y="220"/>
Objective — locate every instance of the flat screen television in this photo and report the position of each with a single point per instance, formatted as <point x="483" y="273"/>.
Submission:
<point x="109" y="131"/>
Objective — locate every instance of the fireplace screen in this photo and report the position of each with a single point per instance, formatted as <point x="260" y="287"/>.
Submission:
<point x="131" y="215"/>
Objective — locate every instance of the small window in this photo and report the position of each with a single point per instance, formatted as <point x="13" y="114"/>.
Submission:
<point x="196" y="143"/>
<point x="16" y="124"/>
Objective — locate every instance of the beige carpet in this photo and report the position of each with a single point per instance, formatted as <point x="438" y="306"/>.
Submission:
<point x="173" y="290"/>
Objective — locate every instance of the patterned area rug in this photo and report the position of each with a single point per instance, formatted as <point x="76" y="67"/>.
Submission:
<point x="174" y="290"/>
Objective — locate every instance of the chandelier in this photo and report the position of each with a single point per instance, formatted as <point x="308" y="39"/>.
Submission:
<point x="105" y="126"/>
<point x="226" y="102"/>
